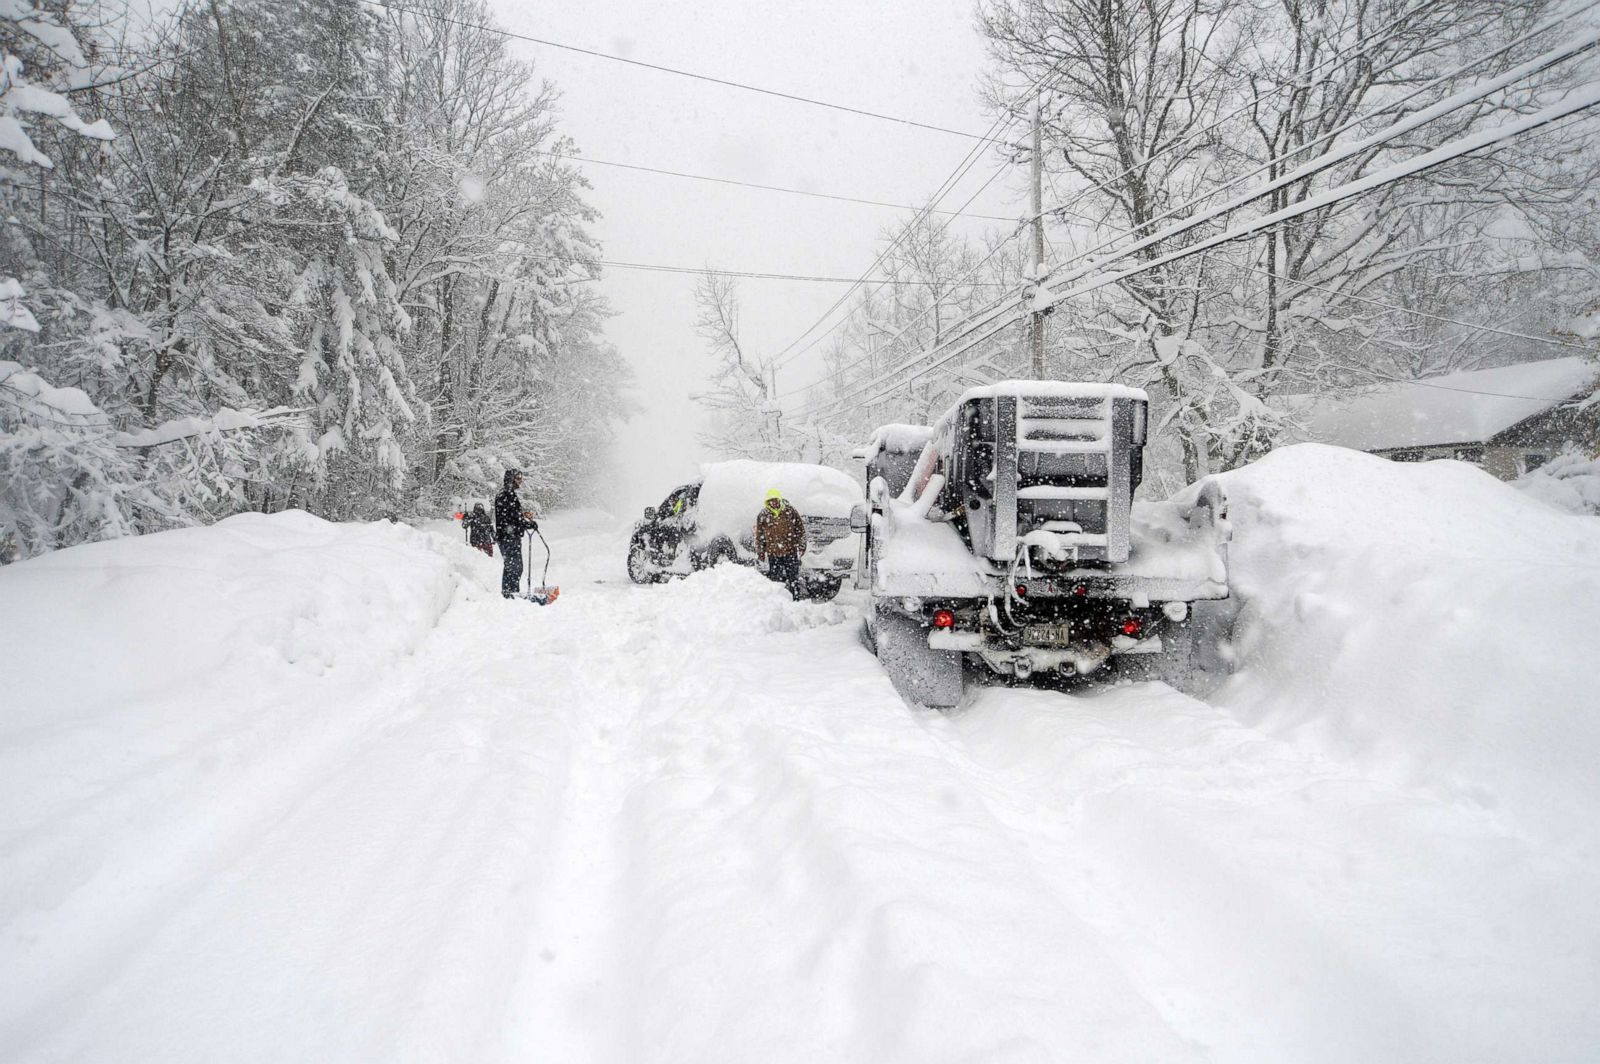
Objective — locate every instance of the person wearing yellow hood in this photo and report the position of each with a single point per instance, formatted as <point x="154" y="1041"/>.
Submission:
<point x="780" y="540"/>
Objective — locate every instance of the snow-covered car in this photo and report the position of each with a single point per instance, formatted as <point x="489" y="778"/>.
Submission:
<point x="712" y="520"/>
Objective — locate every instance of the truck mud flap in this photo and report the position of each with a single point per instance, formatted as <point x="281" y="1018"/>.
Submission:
<point x="921" y="674"/>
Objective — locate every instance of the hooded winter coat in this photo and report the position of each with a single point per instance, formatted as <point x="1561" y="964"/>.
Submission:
<point x="480" y="531"/>
<point x="509" y="524"/>
<point x="780" y="534"/>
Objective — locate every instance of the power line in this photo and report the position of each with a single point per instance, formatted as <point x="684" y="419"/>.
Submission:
<point x="1000" y="122"/>
<point x="752" y="184"/>
<point x="1534" y="65"/>
<point x="1443" y="107"/>
<point x="1474" y="326"/>
<point x="1332" y="60"/>
<point x="759" y="275"/>
<point x="841" y="405"/>
<point x="1574" y="47"/>
<point x="1357" y="120"/>
<point x="1322" y="162"/>
<point x="727" y="82"/>
<point x="880" y="281"/>
<point x="961" y="170"/>
<point x="988" y="308"/>
<point x="653" y="267"/>
<point x="1063" y="206"/>
<point x="1576" y="102"/>
<point x="1461" y="146"/>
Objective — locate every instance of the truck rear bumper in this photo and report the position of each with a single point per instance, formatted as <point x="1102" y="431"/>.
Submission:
<point x="1073" y="659"/>
<point x="1137" y="589"/>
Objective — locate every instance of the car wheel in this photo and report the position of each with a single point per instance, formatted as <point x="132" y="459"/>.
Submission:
<point x="721" y="550"/>
<point x="825" y="589"/>
<point x="640" y="569"/>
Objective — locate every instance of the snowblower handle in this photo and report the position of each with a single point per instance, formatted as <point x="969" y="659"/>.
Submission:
<point x="544" y="578"/>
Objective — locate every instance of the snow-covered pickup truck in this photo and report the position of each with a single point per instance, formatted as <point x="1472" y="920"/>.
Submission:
<point x="1013" y="540"/>
<point x="712" y="520"/>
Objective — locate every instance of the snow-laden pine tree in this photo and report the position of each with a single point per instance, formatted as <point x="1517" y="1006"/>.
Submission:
<point x="329" y="262"/>
<point x="62" y="477"/>
<point x="495" y="260"/>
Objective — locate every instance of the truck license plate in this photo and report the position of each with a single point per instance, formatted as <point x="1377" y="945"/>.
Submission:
<point x="1047" y="634"/>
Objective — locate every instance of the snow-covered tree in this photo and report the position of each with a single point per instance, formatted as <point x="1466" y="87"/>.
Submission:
<point x="373" y="243"/>
<point x="1154" y="114"/>
<point x="745" y="418"/>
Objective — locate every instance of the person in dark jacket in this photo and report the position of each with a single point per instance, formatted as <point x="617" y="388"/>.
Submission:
<point x="780" y="540"/>
<point x="510" y="522"/>
<point x="480" y="530"/>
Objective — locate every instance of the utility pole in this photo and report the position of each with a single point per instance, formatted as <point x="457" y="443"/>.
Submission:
<point x="1037" y="330"/>
<point x="771" y="403"/>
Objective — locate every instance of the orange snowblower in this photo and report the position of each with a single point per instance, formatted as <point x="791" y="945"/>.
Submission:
<point x="545" y="593"/>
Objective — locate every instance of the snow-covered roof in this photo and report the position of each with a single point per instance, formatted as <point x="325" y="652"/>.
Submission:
<point x="1457" y="408"/>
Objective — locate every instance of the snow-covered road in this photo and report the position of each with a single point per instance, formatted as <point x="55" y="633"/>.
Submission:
<point x="694" y="822"/>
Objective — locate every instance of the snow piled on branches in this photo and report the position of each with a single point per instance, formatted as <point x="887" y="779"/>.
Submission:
<point x="68" y="475"/>
<point x="332" y="261"/>
<point x="36" y="44"/>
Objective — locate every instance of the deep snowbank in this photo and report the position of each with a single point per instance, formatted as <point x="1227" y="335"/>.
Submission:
<point x="106" y="622"/>
<point x="734" y="600"/>
<point x="161" y="693"/>
<point x="1427" y="620"/>
<point x="342" y="802"/>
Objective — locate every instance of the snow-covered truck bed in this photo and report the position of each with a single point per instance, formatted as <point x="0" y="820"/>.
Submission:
<point x="1014" y="539"/>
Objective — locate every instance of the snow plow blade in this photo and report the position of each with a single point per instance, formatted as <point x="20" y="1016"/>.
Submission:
<point x="544" y="596"/>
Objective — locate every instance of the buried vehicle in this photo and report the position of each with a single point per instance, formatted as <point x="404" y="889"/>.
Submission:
<point x="1013" y="540"/>
<point x="712" y="520"/>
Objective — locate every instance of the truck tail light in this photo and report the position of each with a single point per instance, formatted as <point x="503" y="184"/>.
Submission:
<point x="944" y="619"/>
<point x="1132" y="627"/>
<point x="1022" y="591"/>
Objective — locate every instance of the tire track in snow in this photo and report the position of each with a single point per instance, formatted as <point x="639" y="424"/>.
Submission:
<point x="1240" y="877"/>
<point x="694" y="822"/>
<point x="571" y="995"/>
<point x="100" y="920"/>
<point x="793" y="789"/>
<point x="318" y="851"/>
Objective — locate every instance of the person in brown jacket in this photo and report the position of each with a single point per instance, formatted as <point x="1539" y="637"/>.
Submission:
<point x="780" y="540"/>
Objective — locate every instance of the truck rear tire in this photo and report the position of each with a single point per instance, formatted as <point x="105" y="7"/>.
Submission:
<point x="921" y="674"/>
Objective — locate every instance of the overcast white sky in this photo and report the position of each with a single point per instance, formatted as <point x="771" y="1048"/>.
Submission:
<point x="915" y="58"/>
